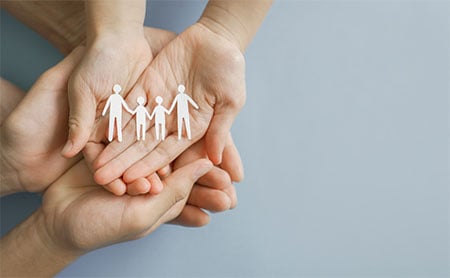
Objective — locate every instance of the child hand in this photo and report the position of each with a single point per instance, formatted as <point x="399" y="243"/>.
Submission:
<point x="213" y="71"/>
<point x="108" y="60"/>
<point x="156" y="39"/>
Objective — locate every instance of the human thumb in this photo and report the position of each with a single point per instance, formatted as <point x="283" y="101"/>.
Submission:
<point x="82" y="108"/>
<point x="178" y="186"/>
<point x="217" y="135"/>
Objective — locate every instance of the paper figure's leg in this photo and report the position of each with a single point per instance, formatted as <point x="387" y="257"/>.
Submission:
<point x="157" y="131"/>
<point x="143" y="131"/>
<point x="180" y="127"/>
<point x="163" y="131"/>
<point x="111" y="128"/>
<point x="138" y="131"/>
<point x="188" y="127"/>
<point x="119" y="129"/>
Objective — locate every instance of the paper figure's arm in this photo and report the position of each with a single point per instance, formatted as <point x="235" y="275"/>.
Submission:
<point x="108" y="103"/>
<point x="153" y="113"/>
<point x="173" y="104"/>
<point x="192" y="102"/>
<point x="166" y="111"/>
<point x="125" y="106"/>
<point x="148" y="115"/>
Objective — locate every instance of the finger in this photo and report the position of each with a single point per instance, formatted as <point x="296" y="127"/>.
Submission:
<point x="231" y="161"/>
<point x="216" y="178"/>
<point x="138" y="187"/>
<point x="194" y="152"/>
<point x="82" y="109"/>
<point x="191" y="216"/>
<point x="116" y="187"/>
<point x="175" y="193"/>
<point x="165" y="171"/>
<point x="217" y="133"/>
<point x="210" y="199"/>
<point x="164" y="153"/>
<point x="157" y="185"/>
<point x="231" y="192"/>
<point x="90" y="152"/>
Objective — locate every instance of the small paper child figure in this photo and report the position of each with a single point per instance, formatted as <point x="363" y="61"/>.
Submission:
<point x="181" y="100"/>
<point x="115" y="103"/>
<point x="160" y="119"/>
<point x="141" y="114"/>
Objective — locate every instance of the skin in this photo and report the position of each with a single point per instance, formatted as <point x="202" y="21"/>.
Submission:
<point x="115" y="37"/>
<point x="62" y="229"/>
<point x="35" y="14"/>
<point x="56" y="234"/>
<point x="78" y="216"/>
<point x="226" y="27"/>
<point x="208" y="59"/>
<point x="32" y="167"/>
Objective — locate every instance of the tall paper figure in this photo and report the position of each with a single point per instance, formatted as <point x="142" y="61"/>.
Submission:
<point x="160" y="119"/>
<point x="181" y="100"/>
<point x="115" y="103"/>
<point x="141" y="117"/>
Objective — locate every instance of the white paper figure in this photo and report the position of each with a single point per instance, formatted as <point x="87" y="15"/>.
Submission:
<point x="141" y="115"/>
<point x="115" y="103"/>
<point x="160" y="119"/>
<point x="181" y="100"/>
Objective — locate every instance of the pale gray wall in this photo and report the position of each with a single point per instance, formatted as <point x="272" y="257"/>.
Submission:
<point x="344" y="139"/>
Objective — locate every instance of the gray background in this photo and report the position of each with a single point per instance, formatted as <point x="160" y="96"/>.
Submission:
<point x="344" y="139"/>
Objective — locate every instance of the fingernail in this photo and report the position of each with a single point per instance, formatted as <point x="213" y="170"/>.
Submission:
<point x="67" y="147"/>
<point x="220" y="159"/>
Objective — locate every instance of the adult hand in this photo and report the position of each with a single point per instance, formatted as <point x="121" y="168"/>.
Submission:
<point x="212" y="69"/>
<point x="81" y="216"/>
<point x="34" y="133"/>
<point x="214" y="191"/>
<point x="78" y="216"/>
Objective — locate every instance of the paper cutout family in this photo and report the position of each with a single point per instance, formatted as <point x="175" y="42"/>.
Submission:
<point x="116" y="102"/>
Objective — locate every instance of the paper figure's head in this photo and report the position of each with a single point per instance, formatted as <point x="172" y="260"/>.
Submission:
<point x="181" y="89"/>
<point x="117" y="89"/>
<point x="140" y="100"/>
<point x="159" y="99"/>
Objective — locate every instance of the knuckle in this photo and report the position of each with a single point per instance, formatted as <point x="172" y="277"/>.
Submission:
<point x="237" y="102"/>
<point x="234" y="100"/>
<point x="236" y="59"/>
<point x="222" y="202"/>
<point x="163" y="154"/>
<point x="180" y="194"/>
<point x="74" y="122"/>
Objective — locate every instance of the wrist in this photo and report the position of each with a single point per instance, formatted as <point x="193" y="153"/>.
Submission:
<point x="235" y="20"/>
<point x="30" y="250"/>
<point x="226" y="29"/>
<point x="114" y="34"/>
<point x="115" y="17"/>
